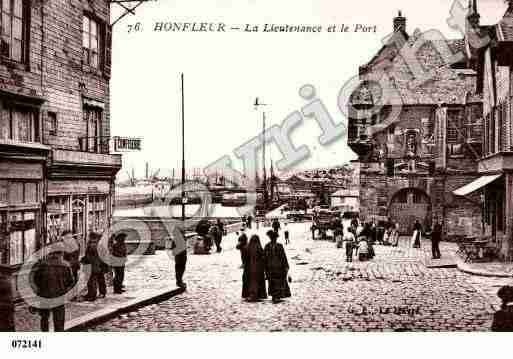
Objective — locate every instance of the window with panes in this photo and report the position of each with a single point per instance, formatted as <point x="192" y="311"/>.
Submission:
<point x="93" y="119"/>
<point x="18" y="123"/>
<point x="19" y="192"/>
<point x="454" y="126"/>
<point x="97" y="214"/>
<point x="18" y="227"/>
<point x="57" y="217"/>
<point x="13" y="30"/>
<point x="91" y="41"/>
<point x="51" y="123"/>
<point x="22" y="236"/>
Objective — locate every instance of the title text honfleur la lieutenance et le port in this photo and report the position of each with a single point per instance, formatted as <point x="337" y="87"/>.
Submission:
<point x="170" y="26"/>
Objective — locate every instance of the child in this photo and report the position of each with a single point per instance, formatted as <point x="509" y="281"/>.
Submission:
<point x="287" y="240"/>
<point x="363" y="250"/>
<point x="349" y="239"/>
<point x="386" y="237"/>
<point x="503" y="319"/>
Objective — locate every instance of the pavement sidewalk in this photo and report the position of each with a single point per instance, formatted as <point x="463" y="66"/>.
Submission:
<point x="148" y="279"/>
<point x="450" y="258"/>
<point x="487" y="269"/>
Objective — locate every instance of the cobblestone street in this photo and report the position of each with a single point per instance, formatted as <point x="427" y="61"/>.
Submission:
<point x="393" y="292"/>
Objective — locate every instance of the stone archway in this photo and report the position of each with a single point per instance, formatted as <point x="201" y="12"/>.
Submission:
<point x="408" y="205"/>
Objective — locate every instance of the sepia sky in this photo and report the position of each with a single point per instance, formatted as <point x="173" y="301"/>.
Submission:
<point x="224" y="72"/>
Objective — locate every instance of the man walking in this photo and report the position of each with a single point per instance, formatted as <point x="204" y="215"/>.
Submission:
<point x="120" y="252"/>
<point x="98" y="269"/>
<point x="220" y="224"/>
<point x="287" y="234"/>
<point x="242" y="243"/>
<point x="220" y="234"/>
<point x="276" y="225"/>
<point x="179" y="249"/>
<point x="213" y="233"/>
<point x="436" y="237"/>
<point x="53" y="278"/>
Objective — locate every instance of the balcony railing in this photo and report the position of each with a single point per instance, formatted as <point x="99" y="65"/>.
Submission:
<point x="97" y="144"/>
<point x="83" y="157"/>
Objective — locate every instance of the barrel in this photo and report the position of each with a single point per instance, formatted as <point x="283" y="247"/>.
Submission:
<point x="6" y="303"/>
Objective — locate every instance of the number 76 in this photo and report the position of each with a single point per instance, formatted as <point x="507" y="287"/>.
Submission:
<point x="134" y="27"/>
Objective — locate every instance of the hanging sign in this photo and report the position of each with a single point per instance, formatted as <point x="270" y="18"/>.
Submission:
<point x="122" y="144"/>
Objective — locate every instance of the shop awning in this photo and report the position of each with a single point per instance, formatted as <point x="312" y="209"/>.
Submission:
<point x="475" y="185"/>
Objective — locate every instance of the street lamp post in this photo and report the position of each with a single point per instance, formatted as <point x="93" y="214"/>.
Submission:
<point x="263" y="162"/>
<point x="184" y="199"/>
<point x="264" y="175"/>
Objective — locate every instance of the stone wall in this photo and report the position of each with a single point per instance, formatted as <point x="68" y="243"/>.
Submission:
<point x="460" y="216"/>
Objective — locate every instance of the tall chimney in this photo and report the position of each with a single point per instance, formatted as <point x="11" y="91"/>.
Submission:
<point x="399" y="23"/>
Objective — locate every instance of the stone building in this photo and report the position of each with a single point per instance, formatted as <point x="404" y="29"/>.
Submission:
<point x="415" y="122"/>
<point x="56" y="171"/>
<point x="492" y="54"/>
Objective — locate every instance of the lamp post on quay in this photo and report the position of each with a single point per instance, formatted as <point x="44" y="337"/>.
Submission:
<point x="257" y="105"/>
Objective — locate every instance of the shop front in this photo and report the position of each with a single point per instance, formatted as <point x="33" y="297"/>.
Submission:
<point x="22" y="188"/>
<point x="495" y="193"/>
<point x="81" y="206"/>
<point x="80" y="193"/>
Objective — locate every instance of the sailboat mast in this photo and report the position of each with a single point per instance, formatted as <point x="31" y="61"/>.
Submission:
<point x="263" y="161"/>
<point x="272" y="181"/>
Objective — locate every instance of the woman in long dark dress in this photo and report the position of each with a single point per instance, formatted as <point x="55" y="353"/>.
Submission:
<point x="276" y="268"/>
<point x="417" y="233"/>
<point x="253" y="277"/>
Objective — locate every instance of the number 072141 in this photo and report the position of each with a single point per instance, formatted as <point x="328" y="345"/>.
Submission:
<point x="26" y="344"/>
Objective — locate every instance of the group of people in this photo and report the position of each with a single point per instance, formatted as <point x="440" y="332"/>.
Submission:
<point x="261" y="263"/>
<point x="362" y="237"/>
<point x="247" y="221"/>
<point x="359" y="241"/>
<point x="210" y="233"/>
<point x="59" y="272"/>
<point x="276" y="226"/>
<point x="391" y="234"/>
<point x="435" y="235"/>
